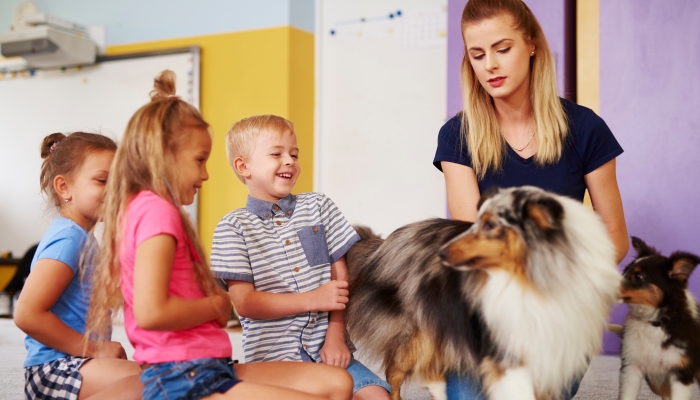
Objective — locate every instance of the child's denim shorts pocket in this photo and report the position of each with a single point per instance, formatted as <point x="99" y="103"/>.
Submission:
<point x="192" y="379"/>
<point x="152" y="379"/>
<point x="313" y="241"/>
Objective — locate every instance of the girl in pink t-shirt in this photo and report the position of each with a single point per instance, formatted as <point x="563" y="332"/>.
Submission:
<point x="152" y="260"/>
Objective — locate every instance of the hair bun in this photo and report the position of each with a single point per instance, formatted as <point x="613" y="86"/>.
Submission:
<point x="49" y="142"/>
<point x="163" y="86"/>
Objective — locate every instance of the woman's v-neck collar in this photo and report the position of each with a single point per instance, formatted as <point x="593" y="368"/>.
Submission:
<point x="514" y="154"/>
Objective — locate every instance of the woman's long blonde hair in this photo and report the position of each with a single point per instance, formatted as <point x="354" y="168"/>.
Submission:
<point x="143" y="161"/>
<point x="480" y="128"/>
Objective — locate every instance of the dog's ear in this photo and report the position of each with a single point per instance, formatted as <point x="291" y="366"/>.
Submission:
<point x="683" y="265"/>
<point x="490" y="192"/>
<point x="545" y="212"/>
<point x="642" y="248"/>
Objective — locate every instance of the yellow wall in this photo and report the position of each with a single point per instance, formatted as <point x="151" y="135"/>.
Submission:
<point x="301" y="103"/>
<point x="588" y="54"/>
<point x="587" y="58"/>
<point x="267" y="71"/>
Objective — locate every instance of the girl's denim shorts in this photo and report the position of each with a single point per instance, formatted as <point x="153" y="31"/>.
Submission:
<point x="186" y="380"/>
<point x="361" y="375"/>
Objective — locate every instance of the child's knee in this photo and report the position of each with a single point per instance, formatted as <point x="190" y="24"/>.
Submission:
<point x="340" y="383"/>
<point x="133" y="368"/>
<point x="374" y="392"/>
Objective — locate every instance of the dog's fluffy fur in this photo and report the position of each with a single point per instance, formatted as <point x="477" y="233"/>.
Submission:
<point x="519" y="298"/>
<point x="661" y="335"/>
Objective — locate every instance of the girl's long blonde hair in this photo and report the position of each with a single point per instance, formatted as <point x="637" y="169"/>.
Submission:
<point x="480" y="127"/>
<point x="143" y="162"/>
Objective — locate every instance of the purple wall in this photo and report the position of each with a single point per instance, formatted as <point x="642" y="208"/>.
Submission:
<point x="455" y="52"/>
<point x="550" y="14"/>
<point x="650" y="98"/>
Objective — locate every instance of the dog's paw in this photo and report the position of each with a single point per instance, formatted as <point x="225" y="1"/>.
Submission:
<point x="514" y="384"/>
<point x="437" y="389"/>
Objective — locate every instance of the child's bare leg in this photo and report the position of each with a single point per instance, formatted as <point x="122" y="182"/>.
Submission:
<point x="316" y="379"/>
<point x="246" y="390"/>
<point x="371" y="392"/>
<point x="110" y="378"/>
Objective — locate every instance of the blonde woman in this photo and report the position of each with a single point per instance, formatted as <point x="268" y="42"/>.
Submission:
<point x="514" y="129"/>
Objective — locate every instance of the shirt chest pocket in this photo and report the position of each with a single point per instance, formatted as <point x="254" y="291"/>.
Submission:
<point x="313" y="241"/>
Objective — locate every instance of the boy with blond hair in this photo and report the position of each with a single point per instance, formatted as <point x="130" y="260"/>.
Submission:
<point x="283" y="257"/>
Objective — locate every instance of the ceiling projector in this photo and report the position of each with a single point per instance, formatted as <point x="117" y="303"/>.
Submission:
<point x="45" y="41"/>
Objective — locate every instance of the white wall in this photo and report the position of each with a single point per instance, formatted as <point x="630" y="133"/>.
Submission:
<point x="381" y="100"/>
<point x="99" y="98"/>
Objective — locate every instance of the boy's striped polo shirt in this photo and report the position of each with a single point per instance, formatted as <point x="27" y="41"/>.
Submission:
<point x="287" y="247"/>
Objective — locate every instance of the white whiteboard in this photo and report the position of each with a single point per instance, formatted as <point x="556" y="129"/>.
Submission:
<point x="98" y="98"/>
<point x="381" y="100"/>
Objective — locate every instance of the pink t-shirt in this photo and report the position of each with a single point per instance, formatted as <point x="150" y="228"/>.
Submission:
<point x="149" y="215"/>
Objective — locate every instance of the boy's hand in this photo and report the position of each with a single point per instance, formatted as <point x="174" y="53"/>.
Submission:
<point x="107" y="350"/>
<point x="331" y="296"/>
<point x="336" y="353"/>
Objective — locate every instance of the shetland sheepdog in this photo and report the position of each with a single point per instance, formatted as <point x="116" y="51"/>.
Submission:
<point x="519" y="299"/>
<point x="661" y="335"/>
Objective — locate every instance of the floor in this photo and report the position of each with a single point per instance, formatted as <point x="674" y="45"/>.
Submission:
<point x="600" y="382"/>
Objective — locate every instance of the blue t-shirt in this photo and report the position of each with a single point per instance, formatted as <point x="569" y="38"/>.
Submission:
<point x="589" y="145"/>
<point x="63" y="241"/>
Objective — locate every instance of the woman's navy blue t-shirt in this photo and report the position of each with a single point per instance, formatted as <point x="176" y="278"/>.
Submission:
<point x="589" y="145"/>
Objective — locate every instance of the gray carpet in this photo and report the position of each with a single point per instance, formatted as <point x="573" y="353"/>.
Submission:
<point x="600" y="383"/>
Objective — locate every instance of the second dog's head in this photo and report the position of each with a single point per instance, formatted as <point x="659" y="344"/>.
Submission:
<point x="652" y="278"/>
<point x="535" y="236"/>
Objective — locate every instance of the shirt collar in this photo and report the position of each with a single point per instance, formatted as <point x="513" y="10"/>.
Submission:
<point x="265" y="209"/>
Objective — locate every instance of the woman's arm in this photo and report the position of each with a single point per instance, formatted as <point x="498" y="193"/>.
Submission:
<point x="44" y="286"/>
<point x="605" y="196"/>
<point x="462" y="191"/>
<point x="154" y="307"/>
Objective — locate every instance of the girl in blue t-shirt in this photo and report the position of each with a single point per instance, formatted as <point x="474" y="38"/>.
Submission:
<point x="52" y="309"/>
<point x="514" y="129"/>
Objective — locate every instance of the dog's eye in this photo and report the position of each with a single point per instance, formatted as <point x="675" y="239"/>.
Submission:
<point x="487" y="225"/>
<point x="639" y="277"/>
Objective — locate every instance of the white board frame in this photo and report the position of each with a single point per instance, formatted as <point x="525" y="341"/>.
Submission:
<point x="97" y="98"/>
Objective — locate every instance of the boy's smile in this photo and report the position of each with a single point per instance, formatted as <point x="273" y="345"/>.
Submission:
<point x="272" y="168"/>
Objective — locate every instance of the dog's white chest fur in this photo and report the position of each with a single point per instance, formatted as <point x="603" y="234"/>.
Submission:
<point x="644" y="356"/>
<point x="642" y="346"/>
<point x="552" y="338"/>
